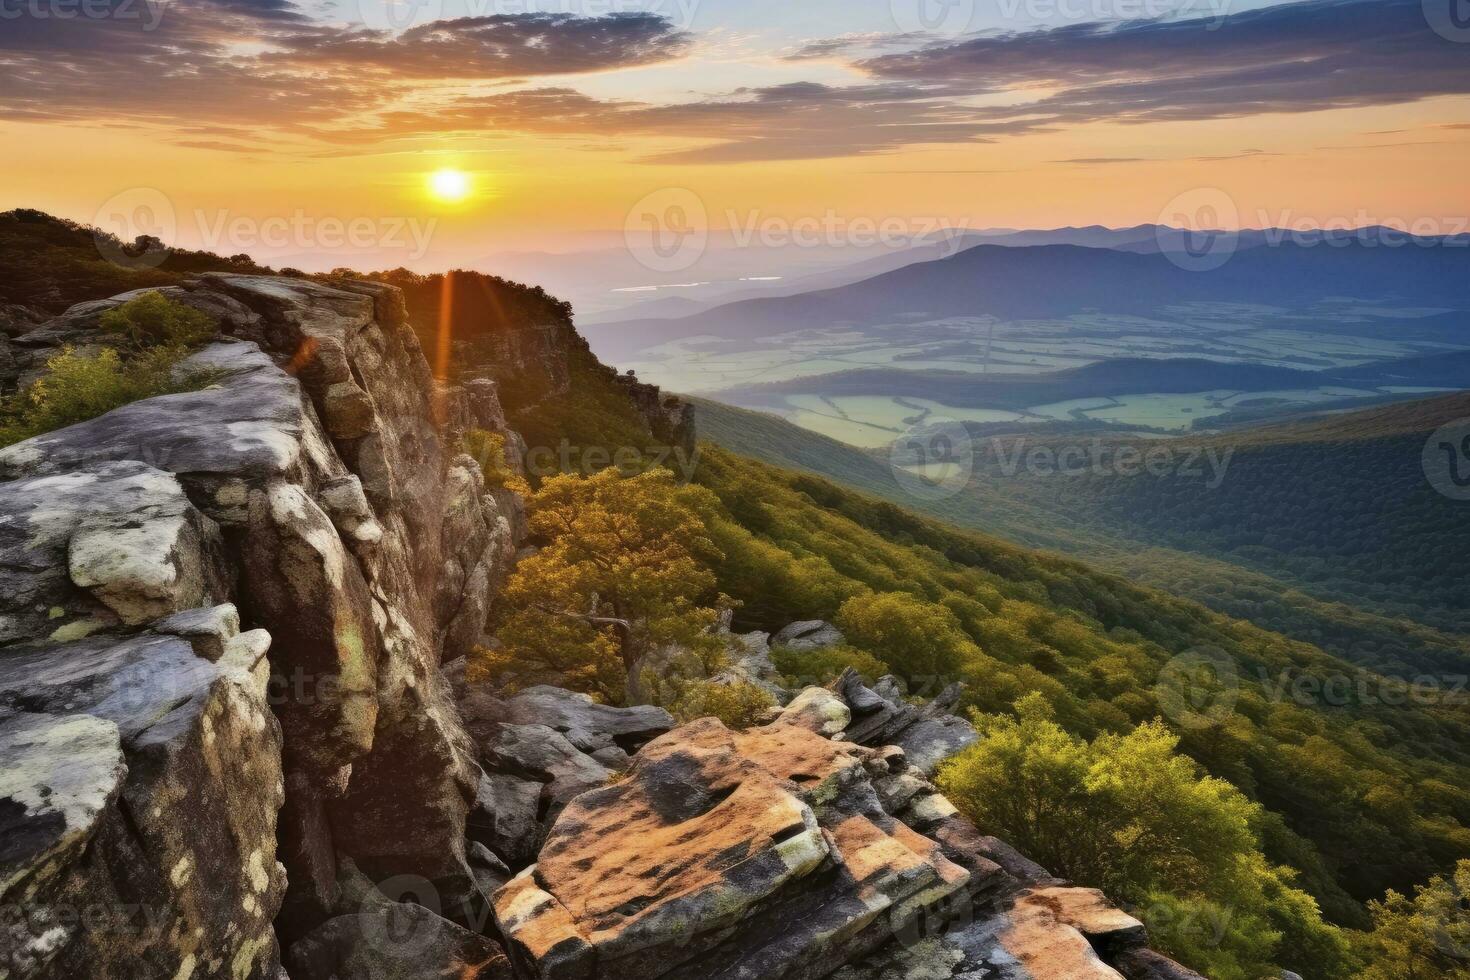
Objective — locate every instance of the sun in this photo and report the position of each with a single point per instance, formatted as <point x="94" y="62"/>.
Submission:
<point x="449" y="185"/>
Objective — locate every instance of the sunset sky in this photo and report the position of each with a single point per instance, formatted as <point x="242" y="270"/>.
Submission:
<point x="1018" y="113"/>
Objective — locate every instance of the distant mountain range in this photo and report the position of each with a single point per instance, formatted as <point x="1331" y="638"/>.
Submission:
<point x="1033" y="278"/>
<point x="1105" y="379"/>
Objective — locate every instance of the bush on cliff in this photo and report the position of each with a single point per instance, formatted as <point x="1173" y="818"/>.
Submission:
<point x="1424" y="936"/>
<point x="78" y="386"/>
<point x="1127" y="814"/>
<point x="153" y="320"/>
<point x="622" y="570"/>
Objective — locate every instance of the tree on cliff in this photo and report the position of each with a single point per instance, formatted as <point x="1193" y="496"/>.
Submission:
<point x="1128" y="814"/>
<point x="1424" y="936"/>
<point x="623" y="570"/>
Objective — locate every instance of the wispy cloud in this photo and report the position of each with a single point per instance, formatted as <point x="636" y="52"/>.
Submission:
<point x="262" y="69"/>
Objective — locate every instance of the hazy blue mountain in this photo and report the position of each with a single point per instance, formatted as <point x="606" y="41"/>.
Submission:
<point x="1051" y="281"/>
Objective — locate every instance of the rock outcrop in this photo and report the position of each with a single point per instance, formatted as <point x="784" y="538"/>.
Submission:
<point x="315" y="485"/>
<point x="928" y="732"/>
<point x="724" y="854"/>
<point x="539" y="750"/>
<point x="235" y="739"/>
<point x="781" y="852"/>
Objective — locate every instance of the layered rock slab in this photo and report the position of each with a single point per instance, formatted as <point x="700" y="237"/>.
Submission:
<point x="724" y="854"/>
<point x="317" y="478"/>
<point x="139" y="784"/>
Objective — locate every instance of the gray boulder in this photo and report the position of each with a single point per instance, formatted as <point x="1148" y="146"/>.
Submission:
<point x="139" y="785"/>
<point x="808" y="634"/>
<point x="398" y="941"/>
<point x="928" y="733"/>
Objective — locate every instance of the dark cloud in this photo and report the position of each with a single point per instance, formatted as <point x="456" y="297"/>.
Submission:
<point x="500" y="47"/>
<point x="261" y="63"/>
<point x="227" y="70"/>
<point x="1296" y="57"/>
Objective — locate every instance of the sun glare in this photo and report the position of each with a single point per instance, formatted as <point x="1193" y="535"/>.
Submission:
<point x="449" y="185"/>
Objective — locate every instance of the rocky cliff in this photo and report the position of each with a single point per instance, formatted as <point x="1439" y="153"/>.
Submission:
<point x="235" y="742"/>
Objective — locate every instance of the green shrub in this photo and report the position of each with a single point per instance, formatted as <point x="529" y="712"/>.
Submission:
<point x="801" y="668"/>
<point x="154" y="320"/>
<point x="738" y="705"/>
<point x="488" y="449"/>
<point x="923" y="641"/>
<point x="1129" y="814"/>
<point x="78" y="387"/>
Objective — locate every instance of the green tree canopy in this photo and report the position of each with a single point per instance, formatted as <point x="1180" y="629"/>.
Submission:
<point x="622" y="570"/>
<point x="1128" y="814"/>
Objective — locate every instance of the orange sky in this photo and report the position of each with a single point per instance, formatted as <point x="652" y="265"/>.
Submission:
<point x="581" y="146"/>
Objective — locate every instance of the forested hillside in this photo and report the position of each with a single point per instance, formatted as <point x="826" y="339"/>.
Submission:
<point x="1055" y="513"/>
<point x="1345" y="783"/>
<point x="1361" y="796"/>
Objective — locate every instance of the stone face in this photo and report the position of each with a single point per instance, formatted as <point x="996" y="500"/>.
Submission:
<point x="586" y="724"/>
<point x="395" y="942"/>
<point x="312" y="486"/>
<point x="1145" y="964"/>
<point x="140" y="785"/>
<point x="114" y="543"/>
<point x="251" y="424"/>
<point x="750" y="663"/>
<point x="209" y="630"/>
<point x="817" y="710"/>
<point x="723" y="854"/>
<point x="808" y="634"/>
<point x="540" y="749"/>
<point x="927" y="733"/>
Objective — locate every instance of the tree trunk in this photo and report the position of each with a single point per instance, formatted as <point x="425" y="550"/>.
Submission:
<point x="632" y="656"/>
<point x="633" y="688"/>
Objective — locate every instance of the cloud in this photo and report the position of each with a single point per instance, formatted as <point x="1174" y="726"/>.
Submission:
<point x="262" y="63"/>
<point x="226" y="70"/>
<point x="800" y="120"/>
<point x="1295" y="57"/>
<point x="500" y="47"/>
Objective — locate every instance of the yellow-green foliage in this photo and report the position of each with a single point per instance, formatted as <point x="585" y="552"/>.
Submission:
<point x="1424" y="936"/>
<point x="1126" y="813"/>
<point x="488" y="449"/>
<point x="926" y="638"/>
<point x="78" y="386"/>
<point x="1357" y="798"/>
<point x="154" y="320"/>
<point x="738" y="705"/>
<point x="623" y="570"/>
<point x="803" y="668"/>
